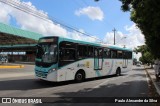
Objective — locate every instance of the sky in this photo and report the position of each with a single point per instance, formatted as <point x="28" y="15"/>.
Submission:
<point x="95" y="18"/>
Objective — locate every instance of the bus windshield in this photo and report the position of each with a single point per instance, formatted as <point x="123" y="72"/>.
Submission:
<point x="47" y="52"/>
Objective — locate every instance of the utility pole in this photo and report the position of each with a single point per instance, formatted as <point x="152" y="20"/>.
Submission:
<point x="114" y="31"/>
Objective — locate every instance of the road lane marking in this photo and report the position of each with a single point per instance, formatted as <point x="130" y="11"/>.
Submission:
<point x="147" y="78"/>
<point x="106" y="81"/>
<point x="97" y="86"/>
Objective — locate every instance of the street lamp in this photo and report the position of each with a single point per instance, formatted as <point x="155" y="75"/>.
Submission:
<point x="124" y="46"/>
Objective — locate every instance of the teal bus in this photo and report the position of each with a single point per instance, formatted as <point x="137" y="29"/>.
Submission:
<point x="61" y="59"/>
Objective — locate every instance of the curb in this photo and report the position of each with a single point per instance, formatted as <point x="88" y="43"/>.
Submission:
<point x="11" y="66"/>
<point x="157" y="88"/>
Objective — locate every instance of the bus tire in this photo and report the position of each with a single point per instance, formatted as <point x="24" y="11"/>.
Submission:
<point x="80" y="76"/>
<point x="118" y="71"/>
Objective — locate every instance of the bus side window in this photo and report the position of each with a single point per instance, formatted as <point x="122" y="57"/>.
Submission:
<point x="67" y="53"/>
<point x="129" y="55"/>
<point x="82" y="51"/>
<point x="95" y="52"/>
<point x="100" y="52"/>
<point x="124" y="55"/>
<point x="107" y="53"/>
<point x="113" y="54"/>
<point x="90" y="51"/>
<point x="119" y="54"/>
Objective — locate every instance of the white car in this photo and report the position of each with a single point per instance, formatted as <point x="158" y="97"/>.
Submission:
<point x="138" y="64"/>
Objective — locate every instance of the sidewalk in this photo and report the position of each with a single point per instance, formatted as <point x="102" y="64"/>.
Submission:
<point x="151" y="74"/>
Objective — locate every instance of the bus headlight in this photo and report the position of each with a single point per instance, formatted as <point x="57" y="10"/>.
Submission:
<point x="51" y="70"/>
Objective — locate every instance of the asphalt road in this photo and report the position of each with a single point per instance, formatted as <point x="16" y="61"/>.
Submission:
<point x="21" y="83"/>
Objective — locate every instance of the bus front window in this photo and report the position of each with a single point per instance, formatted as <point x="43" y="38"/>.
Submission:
<point x="47" y="53"/>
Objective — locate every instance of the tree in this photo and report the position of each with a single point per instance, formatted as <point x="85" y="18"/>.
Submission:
<point x="147" y="57"/>
<point x="142" y="49"/>
<point x="142" y="60"/>
<point x="146" y="15"/>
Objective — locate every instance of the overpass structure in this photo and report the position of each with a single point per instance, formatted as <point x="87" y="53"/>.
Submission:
<point x="13" y="40"/>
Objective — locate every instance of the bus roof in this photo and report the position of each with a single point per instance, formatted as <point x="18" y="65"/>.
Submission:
<point x="90" y="43"/>
<point x="119" y="48"/>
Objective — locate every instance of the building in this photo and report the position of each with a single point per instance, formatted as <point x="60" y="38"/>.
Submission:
<point x="18" y="44"/>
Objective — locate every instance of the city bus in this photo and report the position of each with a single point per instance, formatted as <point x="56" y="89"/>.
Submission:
<point x="62" y="59"/>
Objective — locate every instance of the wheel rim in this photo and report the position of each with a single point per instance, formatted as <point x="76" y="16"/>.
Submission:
<point x="79" y="77"/>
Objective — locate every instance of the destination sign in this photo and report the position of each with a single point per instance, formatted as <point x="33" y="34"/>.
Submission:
<point x="47" y="40"/>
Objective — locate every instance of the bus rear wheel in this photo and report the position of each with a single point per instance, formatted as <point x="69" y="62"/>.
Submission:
<point x="79" y="77"/>
<point x="118" y="72"/>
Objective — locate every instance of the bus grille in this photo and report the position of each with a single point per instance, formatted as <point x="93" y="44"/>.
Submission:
<point x="41" y="74"/>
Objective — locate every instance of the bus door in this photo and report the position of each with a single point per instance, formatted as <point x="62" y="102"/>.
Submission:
<point x="125" y="60"/>
<point x="98" y="60"/>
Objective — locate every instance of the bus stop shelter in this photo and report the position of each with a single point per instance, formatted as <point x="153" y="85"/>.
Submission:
<point x="14" y="41"/>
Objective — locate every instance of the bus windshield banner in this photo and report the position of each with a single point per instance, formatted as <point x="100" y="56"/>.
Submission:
<point x="47" y="40"/>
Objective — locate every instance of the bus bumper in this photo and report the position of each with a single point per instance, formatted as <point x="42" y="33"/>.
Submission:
<point x="50" y="77"/>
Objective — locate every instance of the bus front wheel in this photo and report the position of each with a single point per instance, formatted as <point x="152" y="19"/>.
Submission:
<point x="79" y="77"/>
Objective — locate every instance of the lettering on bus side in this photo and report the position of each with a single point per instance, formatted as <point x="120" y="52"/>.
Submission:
<point x="87" y="64"/>
<point x="80" y="65"/>
<point x="107" y="63"/>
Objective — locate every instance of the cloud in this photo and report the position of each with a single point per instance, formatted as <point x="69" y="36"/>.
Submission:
<point x="79" y="36"/>
<point x="94" y="13"/>
<point x="32" y="23"/>
<point x="35" y="24"/>
<point x="4" y="16"/>
<point x="132" y="39"/>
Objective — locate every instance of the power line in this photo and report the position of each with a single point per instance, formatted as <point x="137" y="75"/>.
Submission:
<point x="30" y="11"/>
<point x="24" y="10"/>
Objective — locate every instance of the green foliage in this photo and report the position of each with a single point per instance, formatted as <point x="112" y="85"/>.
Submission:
<point x="147" y="56"/>
<point x="141" y="49"/>
<point x="146" y="15"/>
<point x="142" y="60"/>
